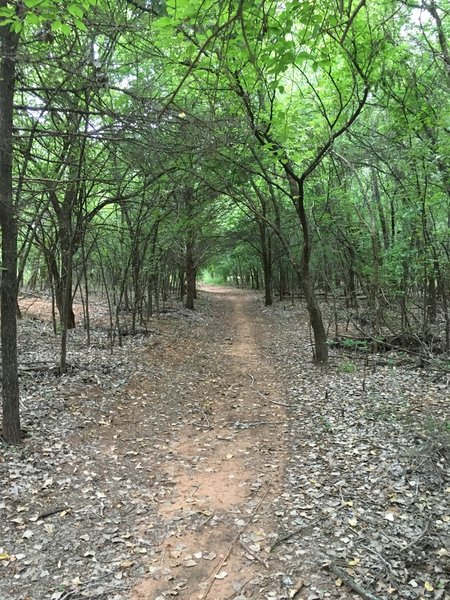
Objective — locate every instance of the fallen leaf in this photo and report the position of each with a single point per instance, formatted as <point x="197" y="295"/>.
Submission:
<point x="221" y="575"/>
<point x="27" y="534"/>
<point x="126" y="564"/>
<point x="190" y="563"/>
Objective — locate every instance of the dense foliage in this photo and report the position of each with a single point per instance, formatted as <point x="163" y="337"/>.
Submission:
<point x="291" y="146"/>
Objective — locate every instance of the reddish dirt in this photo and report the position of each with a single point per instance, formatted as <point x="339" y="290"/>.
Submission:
<point x="167" y="455"/>
<point x="227" y="473"/>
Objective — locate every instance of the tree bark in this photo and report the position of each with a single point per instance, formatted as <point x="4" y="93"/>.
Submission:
<point x="305" y="277"/>
<point x="377" y="197"/>
<point x="266" y="260"/>
<point x="283" y="285"/>
<point x="190" y="277"/>
<point x="60" y="285"/>
<point x="8" y="287"/>
<point x="190" y="246"/>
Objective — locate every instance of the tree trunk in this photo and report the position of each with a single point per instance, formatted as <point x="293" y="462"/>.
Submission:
<point x="306" y="280"/>
<point x="8" y="288"/>
<point x="182" y="284"/>
<point x="60" y="286"/>
<point x="351" y="300"/>
<point x="66" y="313"/>
<point x="267" y="273"/>
<point x="190" y="278"/>
<point x="257" y="279"/>
<point x="266" y="260"/>
<point x="315" y="316"/>
<point x="430" y="301"/>
<point x="381" y="215"/>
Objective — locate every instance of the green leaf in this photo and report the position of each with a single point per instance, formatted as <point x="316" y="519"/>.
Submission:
<point x="75" y="10"/>
<point x="17" y="26"/>
<point x="33" y="3"/>
<point x="324" y="63"/>
<point x="66" y="29"/>
<point x="162" y="23"/>
<point x="80" y="25"/>
<point x="303" y="56"/>
<point x="32" y="19"/>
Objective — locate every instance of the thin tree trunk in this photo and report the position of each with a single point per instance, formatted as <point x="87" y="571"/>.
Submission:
<point x="190" y="277"/>
<point x="86" y="294"/>
<point x="108" y="299"/>
<point x="306" y="280"/>
<point x="266" y="260"/>
<point x="181" y="284"/>
<point x="67" y="315"/>
<point x="381" y="215"/>
<point x="8" y="288"/>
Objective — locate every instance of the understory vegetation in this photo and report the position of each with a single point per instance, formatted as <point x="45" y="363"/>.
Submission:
<point x="225" y="299"/>
<point x="298" y="148"/>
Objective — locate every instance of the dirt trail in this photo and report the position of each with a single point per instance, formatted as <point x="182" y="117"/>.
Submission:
<point x="155" y="471"/>
<point x="226" y="470"/>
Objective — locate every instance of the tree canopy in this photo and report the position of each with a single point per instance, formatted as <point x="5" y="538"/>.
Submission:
<point x="299" y="147"/>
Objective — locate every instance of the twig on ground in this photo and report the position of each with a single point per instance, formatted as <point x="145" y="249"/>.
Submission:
<point x="399" y="546"/>
<point x="207" y="520"/>
<point x="418" y="538"/>
<point x="235" y="539"/>
<point x="383" y="560"/>
<point x="292" y="534"/>
<point x="38" y="366"/>
<point x="351" y="583"/>
<point x="265" y="397"/>
<point x="256" y="423"/>
<point x="81" y="589"/>
<point x="253" y="554"/>
<point x="52" y="511"/>
<point x="281" y="403"/>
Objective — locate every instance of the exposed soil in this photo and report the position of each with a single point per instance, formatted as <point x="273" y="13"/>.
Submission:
<point x="225" y="472"/>
<point x="208" y="459"/>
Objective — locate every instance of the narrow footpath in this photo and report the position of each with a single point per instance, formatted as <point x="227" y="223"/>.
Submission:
<point x="207" y="458"/>
<point x="225" y="466"/>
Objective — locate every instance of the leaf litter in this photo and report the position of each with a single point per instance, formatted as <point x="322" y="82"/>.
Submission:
<point x="209" y="459"/>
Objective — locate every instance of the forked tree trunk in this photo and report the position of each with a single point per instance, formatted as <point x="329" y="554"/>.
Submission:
<point x="8" y="289"/>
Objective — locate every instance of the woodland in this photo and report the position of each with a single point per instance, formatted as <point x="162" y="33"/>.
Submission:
<point x="196" y="190"/>
<point x="298" y="147"/>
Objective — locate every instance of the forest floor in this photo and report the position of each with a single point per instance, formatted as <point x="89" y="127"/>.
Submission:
<point x="208" y="459"/>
